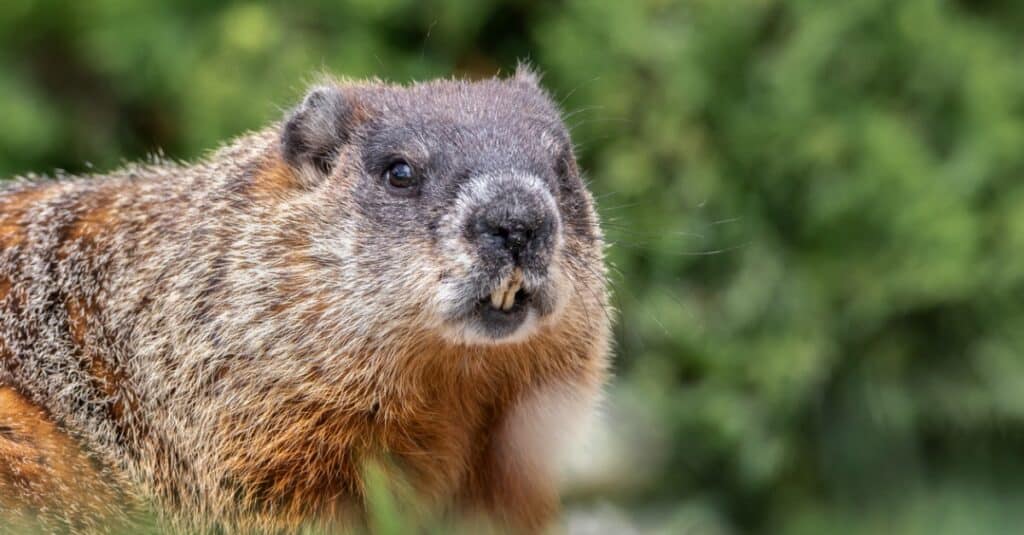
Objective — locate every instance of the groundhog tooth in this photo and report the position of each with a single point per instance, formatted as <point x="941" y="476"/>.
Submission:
<point x="504" y="297"/>
<point x="498" y="294"/>
<point x="509" y="299"/>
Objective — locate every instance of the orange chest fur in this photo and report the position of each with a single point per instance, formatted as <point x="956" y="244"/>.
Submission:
<point x="309" y="460"/>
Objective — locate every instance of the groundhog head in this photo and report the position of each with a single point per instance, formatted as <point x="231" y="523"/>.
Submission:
<point x="455" y="204"/>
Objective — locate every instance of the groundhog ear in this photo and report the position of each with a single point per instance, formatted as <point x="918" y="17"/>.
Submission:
<point x="316" y="129"/>
<point x="527" y="74"/>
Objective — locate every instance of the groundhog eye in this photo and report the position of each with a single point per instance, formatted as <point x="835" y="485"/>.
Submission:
<point x="401" y="175"/>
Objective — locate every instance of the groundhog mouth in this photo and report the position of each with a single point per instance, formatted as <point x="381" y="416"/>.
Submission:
<point x="506" y="308"/>
<point x="508" y="292"/>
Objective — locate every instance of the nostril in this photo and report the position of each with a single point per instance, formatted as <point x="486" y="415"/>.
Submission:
<point x="495" y="235"/>
<point x="501" y="233"/>
<point x="516" y="241"/>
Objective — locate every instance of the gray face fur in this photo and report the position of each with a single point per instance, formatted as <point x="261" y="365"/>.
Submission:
<point x="494" y="203"/>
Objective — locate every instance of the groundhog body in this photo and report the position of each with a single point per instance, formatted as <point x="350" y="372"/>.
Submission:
<point x="405" y="276"/>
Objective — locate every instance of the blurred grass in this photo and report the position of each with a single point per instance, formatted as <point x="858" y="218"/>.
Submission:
<point x="816" y="213"/>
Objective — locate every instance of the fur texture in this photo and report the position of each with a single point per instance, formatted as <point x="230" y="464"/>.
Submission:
<point x="230" y="342"/>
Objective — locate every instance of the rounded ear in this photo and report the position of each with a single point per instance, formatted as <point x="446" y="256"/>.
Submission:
<point x="527" y="74"/>
<point x="316" y="129"/>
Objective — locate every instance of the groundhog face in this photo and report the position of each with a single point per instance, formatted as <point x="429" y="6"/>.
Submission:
<point x="458" y="204"/>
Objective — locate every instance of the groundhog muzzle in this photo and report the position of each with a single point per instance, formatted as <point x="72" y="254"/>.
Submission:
<point x="402" y="277"/>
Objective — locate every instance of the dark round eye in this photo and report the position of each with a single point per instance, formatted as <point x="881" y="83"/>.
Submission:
<point x="401" y="175"/>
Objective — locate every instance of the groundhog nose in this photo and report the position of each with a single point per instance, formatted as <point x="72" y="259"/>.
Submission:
<point x="513" y="237"/>
<point x="512" y="220"/>
<point x="522" y="237"/>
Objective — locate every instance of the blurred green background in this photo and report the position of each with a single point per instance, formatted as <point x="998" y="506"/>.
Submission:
<point x="816" y="212"/>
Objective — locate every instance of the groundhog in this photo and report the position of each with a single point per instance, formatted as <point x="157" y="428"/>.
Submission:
<point x="404" y="276"/>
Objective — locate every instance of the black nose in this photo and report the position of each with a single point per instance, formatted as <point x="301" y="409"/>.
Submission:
<point x="518" y="231"/>
<point x="513" y="236"/>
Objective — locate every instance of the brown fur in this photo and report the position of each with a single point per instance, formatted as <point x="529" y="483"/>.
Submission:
<point x="46" y="481"/>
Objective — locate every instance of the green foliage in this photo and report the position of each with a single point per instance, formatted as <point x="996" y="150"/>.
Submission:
<point x="816" y="210"/>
